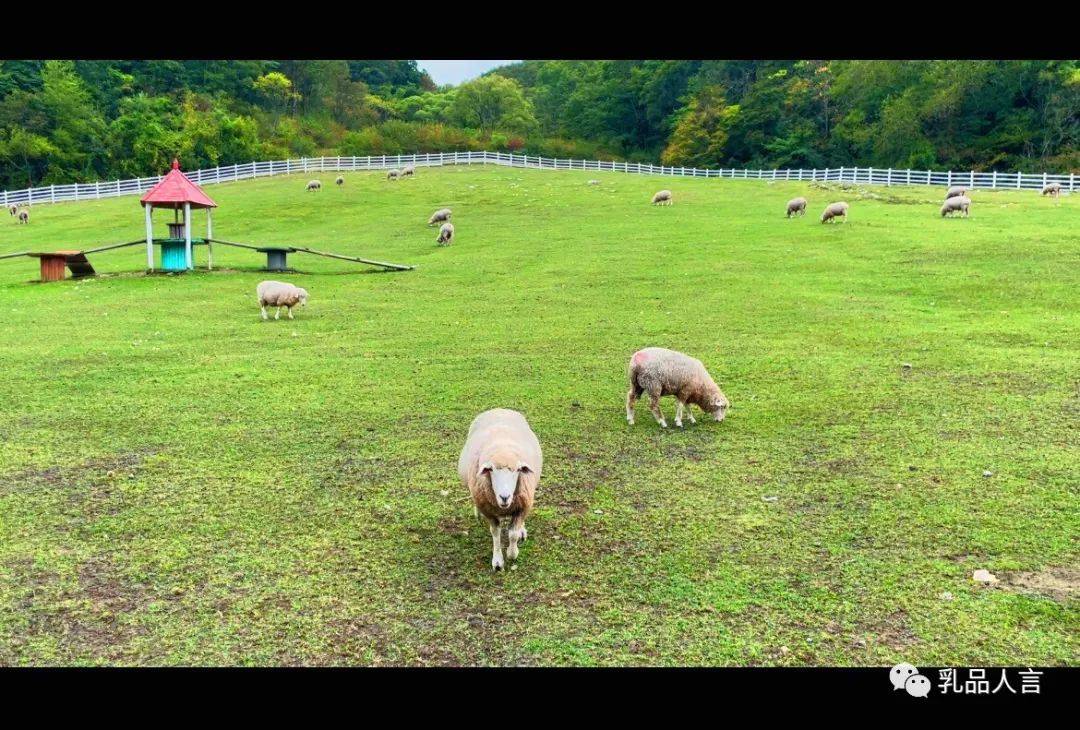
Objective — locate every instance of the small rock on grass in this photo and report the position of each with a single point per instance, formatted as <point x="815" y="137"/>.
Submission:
<point x="987" y="473"/>
<point x="770" y="499"/>
<point x="984" y="576"/>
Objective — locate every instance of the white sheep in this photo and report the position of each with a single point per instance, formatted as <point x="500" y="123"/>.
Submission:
<point x="500" y="465"/>
<point x="446" y="234"/>
<point x="835" y="210"/>
<point x="958" y="204"/>
<point x="408" y="171"/>
<point x="24" y="215"/>
<point x="594" y="182"/>
<point x="279" y="294"/>
<point x="13" y="209"/>
<point x="1053" y="190"/>
<point x="442" y="214"/>
<point x="662" y="198"/>
<point x="955" y="191"/>
<point x="659" y="372"/>
<point x="313" y="185"/>
<point x="339" y="181"/>
<point x="393" y="174"/>
<point x="796" y="206"/>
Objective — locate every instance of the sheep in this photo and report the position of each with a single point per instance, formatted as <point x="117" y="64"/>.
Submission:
<point x="957" y="204"/>
<point x="408" y="171"/>
<point x="313" y="185"/>
<point x="446" y="234"/>
<point x="339" y="181"/>
<point x="835" y="210"/>
<point x="13" y="209"/>
<point x="279" y="294"/>
<point x="955" y="191"/>
<point x="796" y="206"/>
<point x="659" y="372"/>
<point x="442" y="214"/>
<point x="393" y="174"/>
<point x="1053" y="190"/>
<point x="662" y="198"/>
<point x="594" y="182"/>
<point x="24" y="215"/>
<point x="500" y="465"/>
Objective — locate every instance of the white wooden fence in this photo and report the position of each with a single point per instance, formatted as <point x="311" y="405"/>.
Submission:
<point x="230" y="173"/>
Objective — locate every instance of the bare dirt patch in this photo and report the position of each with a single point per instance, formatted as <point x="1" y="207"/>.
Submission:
<point x="1059" y="583"/>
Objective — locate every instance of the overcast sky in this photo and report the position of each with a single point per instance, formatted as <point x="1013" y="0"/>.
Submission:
<point x="454" y="72"/>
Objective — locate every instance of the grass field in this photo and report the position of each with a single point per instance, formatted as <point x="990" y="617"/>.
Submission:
<point x="183" y="483"/>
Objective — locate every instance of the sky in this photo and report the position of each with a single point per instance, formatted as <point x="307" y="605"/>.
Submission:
<point x="455" y="72"/>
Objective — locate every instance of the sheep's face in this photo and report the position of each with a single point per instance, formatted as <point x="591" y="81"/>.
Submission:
<point x="719" y="406"/>
<point x="302" y="297"/>
<point x="504" y="481"/>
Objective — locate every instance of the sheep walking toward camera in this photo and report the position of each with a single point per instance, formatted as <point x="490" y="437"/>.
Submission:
<point x="959" y="204"/>
<point x="339" y="181"/>
<point x="796" y="206"/>
<point x="956" y="191"/>
<point x="313" y="185"/>
<point x="835" y="210"/>
<point x="446" y="234"/>
<point x="24" y="215"/>
<point x="393" y="174"/>
<point x="1053" y="190"/>
<point x="13" y="209"/>
<point x="408" y="171"/>
<point x="442" y="214"/>
<point x="659" y="372"/>
<point x="663" y="197"/>
<point x="500" y="465"/>
<point x="279" y="294"/>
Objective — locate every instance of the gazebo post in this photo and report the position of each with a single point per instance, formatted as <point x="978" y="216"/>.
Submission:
<point x="209" y="242"/>
<point x="149" y="238"/>
<point x="187" y="236"/>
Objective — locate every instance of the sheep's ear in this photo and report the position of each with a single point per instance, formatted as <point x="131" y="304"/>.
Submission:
<point x="485" y="468"/>
<point x="524" y="468"/>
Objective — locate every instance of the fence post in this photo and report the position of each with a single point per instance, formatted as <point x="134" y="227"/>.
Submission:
<point x="841" y="173"/>
<point x="1072" y="178"/>
<point x="972" y="179"/>
<point x="869" y="175"/>
<point x="950" y="178"/>
<point x="1044" y="181"/>
<point x="888" y="179"/>
<point x="908" y="180"/>
<point x="52" y="193"/>
<point x="993" y="179"/>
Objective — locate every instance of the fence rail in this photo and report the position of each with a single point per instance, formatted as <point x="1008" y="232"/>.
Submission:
<point x="249" y="170"/>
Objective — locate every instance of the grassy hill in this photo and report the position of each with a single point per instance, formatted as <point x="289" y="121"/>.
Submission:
<point x="183" y="483"/>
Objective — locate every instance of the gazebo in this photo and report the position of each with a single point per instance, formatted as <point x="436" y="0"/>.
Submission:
<point x="176" y="191"/>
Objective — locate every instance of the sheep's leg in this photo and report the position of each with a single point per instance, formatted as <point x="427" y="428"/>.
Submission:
<point x="263" y="308"/>
<point x="631" y="399"/>
<point x="517" y="533"/>
<point x="690" y="413"/>
<point x="277" y="314"/>
<point x="496" y="544"/>
<point x="288" y="310"/>
<point x="654" y="406"/>
<point x="678" y="413"/>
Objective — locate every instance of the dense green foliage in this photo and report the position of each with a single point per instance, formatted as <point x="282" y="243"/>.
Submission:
<point x="64" y="121"/>
<point x="183" y="483"/>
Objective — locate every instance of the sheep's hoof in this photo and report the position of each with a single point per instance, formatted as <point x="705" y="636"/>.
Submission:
<point x="663" y="425"/>
<point x="497" y="563"/>
<point x="512" y="551"/>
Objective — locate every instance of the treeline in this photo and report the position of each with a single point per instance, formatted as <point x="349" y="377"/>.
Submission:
<point x="66" y="121"/>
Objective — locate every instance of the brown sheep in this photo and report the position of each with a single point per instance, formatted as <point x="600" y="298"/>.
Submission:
<point x="659" y="372"/>
<point x="446" y="234"/>
<point x="663" y="197"/>
<point x="500" y="465"/>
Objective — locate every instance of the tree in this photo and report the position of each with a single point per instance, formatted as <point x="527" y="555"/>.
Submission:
<point x="493" y="102"/>
<point x="276" y="89"/>
<point x="701" y="132"/>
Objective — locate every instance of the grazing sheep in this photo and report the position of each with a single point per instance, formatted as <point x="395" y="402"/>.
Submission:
<point x="314" y="185"/>
<point x="13" y="209"/>
<point x="662" y="198"/>
<point x="594" y="182"/>
<point x="340" y="181"/>
<point x="408" y="171"/>
<point x="442" y="214"/>
<point x="1053" y="190"/>
<point x="393" y="174"/>
<point x="24" y="215"/>
<point x="796" y="206"/>
<point x="835" y="210"/>
<point x="955" y="191"/>
<point x="956" y="205"/>
<point x="279" y="294"/>
<point x="659" y="372"/>
<point x="446" y="234"/>
<point x="501" y="464"/>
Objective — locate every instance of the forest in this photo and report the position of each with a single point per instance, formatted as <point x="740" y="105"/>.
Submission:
<point x="65" y="121"/>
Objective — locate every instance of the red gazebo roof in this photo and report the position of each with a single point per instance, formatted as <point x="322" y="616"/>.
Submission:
<point x="176" y="189"/>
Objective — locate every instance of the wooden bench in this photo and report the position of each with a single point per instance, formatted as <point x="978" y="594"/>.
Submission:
<point x="54" y="262"/>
